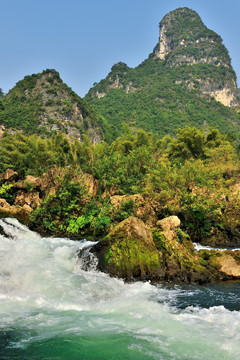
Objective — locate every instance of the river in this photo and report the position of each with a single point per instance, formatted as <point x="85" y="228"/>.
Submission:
<point x="54" y="307"/>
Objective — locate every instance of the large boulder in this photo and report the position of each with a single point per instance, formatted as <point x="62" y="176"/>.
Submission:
<point x="133" y="251"/>
<point x="129" y="252"/>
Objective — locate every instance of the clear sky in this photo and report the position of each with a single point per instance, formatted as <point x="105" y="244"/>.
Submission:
<point x="82" y="39"/>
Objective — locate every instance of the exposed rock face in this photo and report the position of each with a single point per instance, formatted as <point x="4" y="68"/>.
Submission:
<point x="21" y="213"/>
<point x="116" y="79"/>
<point x="185" y="40"/>
<point x="181" y="31"/>
<point x="31" y="199"/>
<point x="9" y="175"/>
<point x="141" y="208"/>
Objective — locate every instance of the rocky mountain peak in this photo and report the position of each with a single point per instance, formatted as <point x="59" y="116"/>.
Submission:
<point x="172" y="32"/>
<point x="185" y="40"/>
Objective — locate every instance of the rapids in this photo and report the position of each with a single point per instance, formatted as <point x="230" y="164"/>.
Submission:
<point x="54" y="306"/>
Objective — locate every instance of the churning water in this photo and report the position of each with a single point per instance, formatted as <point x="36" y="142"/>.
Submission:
<point x="51" y="308"/>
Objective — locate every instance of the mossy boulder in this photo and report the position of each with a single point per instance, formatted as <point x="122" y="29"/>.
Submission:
<point x="225" y="264"/>
<point x="181" y="262"/>
<point x="129" y="252"/>
<point x="133" y="251"/>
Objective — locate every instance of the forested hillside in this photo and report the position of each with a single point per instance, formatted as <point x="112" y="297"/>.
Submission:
<point x="42" y="103"/>
<point x="188" y="80"/>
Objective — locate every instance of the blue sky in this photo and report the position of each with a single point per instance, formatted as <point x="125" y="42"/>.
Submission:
<point x="83" y="39"/>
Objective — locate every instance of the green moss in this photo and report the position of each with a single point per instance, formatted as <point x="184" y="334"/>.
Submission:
<point x="127" y="255"/>
<point x="159" y="240"/>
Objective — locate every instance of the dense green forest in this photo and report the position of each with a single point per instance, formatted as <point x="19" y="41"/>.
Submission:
<point x="158" y="99"/>
<point x="176" y="86"/>
<point x="42" y="102"/>
<point x="190" y="175"/>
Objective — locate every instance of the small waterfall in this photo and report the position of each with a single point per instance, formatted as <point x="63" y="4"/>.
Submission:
<point x="198" y="247"/>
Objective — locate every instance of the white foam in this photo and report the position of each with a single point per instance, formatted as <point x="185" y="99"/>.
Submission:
<point x="44" y="288"/>
<point x="198" y="247"/>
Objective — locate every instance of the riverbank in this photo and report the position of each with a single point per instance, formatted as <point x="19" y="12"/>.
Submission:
<point x="134" y="243"/>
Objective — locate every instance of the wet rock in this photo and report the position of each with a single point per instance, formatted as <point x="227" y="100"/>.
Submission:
<point x="131" y="252"/>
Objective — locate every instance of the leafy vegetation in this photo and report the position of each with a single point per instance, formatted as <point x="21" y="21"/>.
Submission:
<point x="162" y="96"/>
<point x="159" y="101"/>
<point x="40" y="101"/>
<point x="182" y="176"/>
<point x="168" y="148"/>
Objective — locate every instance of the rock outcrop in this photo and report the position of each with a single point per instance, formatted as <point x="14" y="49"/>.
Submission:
<point x="8" y="175"/>
<point x="185" y="41"/>
<point x="21" y="213"/>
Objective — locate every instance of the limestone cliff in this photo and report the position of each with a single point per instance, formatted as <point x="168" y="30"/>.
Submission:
<point x="185" y="41"/>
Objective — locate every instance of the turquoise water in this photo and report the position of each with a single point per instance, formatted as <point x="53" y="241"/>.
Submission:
<point x="52" y="308"/>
